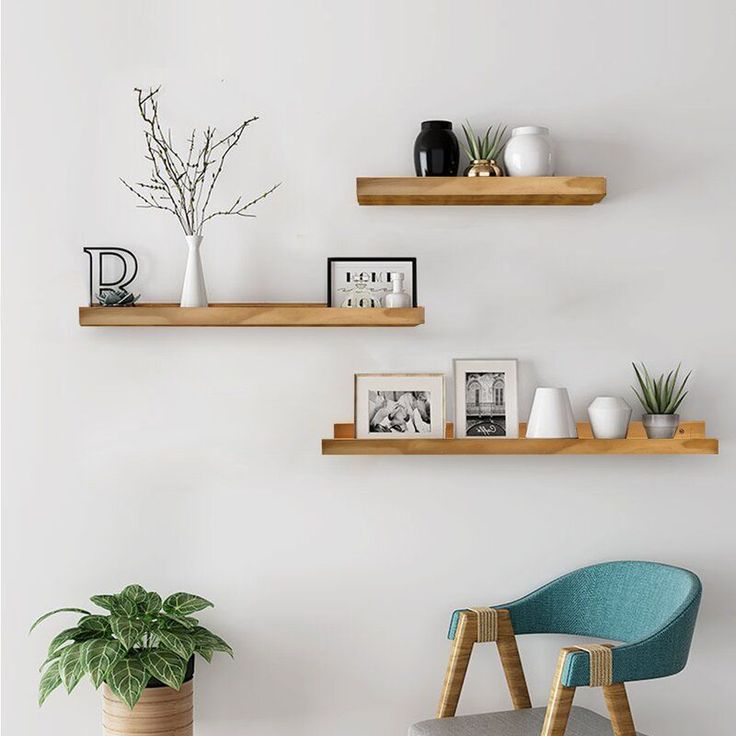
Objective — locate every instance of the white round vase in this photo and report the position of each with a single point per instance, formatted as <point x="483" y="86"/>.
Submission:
<point x="609" y="418"/>
<point x="551" y="416"/>
<point x="528" y="152"/>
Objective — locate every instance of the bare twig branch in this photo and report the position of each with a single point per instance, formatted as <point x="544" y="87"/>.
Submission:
<point x="148" y="202"/>
<point x="185" y="185"/>
<point x="240" y="211"/>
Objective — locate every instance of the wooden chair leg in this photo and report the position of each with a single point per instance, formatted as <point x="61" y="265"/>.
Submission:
<point x="512" y="669"/>
<point x="560" y="701"/>
<point x="462" y="646"/>
<point x="619" y="710"/>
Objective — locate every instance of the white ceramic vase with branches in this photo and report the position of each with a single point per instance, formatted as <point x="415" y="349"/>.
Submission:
<point x="182" y="184"/>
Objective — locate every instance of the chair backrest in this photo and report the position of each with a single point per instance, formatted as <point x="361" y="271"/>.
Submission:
<point x="649" y="606"/>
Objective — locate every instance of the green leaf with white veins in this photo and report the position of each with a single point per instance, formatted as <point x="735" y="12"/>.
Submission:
<point x="97" y="624"/>
<point x="104" y="601"/>
<point x="52" y="613"/>
<point x="152" y="605"/>
<point x="127" y="679"/>
<point x="165" y="666"/>
<point x="205" y="653"/>
<point x="128" y="630"/>
<point x="181" y="642"/>
<point x="183" y="604"/>
<point x="71" y="666"/>
<point x="62" y="638"/>
<point x="124" y="606"/>
<point x="205" y="639"/>
<point x="54" y="656"/>
<point x="100" y="656"/>
<point x="135" y="593"/>
<point x="169" y="621"/>
<point x="50" y="680"/>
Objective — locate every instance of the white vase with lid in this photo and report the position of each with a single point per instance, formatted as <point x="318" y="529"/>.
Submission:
<point x="529" y="152"/>
<point x="551" y="416"/>
<point x="609" y="418"/>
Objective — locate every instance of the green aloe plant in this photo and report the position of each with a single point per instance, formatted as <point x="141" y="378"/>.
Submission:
<point x="139" y="638"/>
<point x="661" y="395"/>
<point x="484" y="148"/>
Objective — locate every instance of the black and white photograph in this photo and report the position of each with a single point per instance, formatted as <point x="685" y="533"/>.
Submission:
<point x="366" y="282"/>
<point x="407" y="412"/>
<point x="486" y="404"/>
<point x="400" y="405"/>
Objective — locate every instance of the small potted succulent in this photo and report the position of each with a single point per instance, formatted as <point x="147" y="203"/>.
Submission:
<point x="117" y="298"/>
<point x="660" y="398"/>
<point x="484" y="152"/>
<point x="142" y="649"/>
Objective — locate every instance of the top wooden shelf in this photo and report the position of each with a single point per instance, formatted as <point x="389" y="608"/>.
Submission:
<point x="480" y="190"/>
<point x="248" y="315"/>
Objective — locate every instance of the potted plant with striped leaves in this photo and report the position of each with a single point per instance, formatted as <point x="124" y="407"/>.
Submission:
<point x="661" y="398"/>
<point x="141" y="649"/>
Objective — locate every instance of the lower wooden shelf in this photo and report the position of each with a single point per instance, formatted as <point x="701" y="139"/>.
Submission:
<point x="248" y="315"/>
<point x="690" y="440"/>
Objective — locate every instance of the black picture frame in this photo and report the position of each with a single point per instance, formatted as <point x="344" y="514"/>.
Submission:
<point x="372" y="259"/>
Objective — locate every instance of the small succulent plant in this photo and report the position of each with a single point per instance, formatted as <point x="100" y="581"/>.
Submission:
<point x="485" y="148"/>
<point x="661" y="395"/>
<point x="117" y="298"/>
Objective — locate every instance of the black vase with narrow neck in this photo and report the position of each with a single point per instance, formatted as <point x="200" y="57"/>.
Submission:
<point x="436" y="150"/>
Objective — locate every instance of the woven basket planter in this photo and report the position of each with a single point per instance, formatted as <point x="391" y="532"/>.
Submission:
<point x="161" y="711"/>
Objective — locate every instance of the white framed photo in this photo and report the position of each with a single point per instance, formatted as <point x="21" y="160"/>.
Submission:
<point x="486" y="399"/>
<point x="399" y="405"/>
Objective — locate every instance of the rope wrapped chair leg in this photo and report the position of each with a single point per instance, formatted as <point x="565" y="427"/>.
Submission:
<point x="477" y="625"/>
<point x="601" y="675"/>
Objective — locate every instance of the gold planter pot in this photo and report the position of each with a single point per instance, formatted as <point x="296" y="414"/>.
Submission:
<point x="161" y="711"/>
<point x="483" y="167"/>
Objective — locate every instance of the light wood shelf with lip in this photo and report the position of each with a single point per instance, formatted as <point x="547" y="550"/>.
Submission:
<point x="480" y="190"/>
<point x="689" y="440"/>
<point x="248" y="315"/>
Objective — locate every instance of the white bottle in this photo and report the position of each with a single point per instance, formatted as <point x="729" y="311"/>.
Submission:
<point x="529" y="152"/>
<point x="397" y="298"/>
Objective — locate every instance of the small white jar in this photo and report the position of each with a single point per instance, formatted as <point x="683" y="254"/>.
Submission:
<point x="609" y="418"/>
<point x="528" y="152"/>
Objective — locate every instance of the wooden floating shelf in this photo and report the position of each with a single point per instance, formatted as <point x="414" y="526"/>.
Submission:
<point x="690" y="440"/>
<point x="480" y="190"/>
<point x="248" y="315"/>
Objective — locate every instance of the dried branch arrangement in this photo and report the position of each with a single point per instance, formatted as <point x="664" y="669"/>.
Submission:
<point x="183" y="184"/>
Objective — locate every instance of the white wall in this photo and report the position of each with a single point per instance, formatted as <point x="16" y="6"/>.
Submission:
<point x="190" y="458"/>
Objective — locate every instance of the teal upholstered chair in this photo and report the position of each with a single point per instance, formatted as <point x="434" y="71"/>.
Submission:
<point x="648" y="607"/>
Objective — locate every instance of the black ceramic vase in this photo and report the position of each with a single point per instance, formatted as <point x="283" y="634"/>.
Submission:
<point x="436" y="150"/>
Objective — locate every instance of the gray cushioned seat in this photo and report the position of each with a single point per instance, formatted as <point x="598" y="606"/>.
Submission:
<point x="525" y="722"/>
